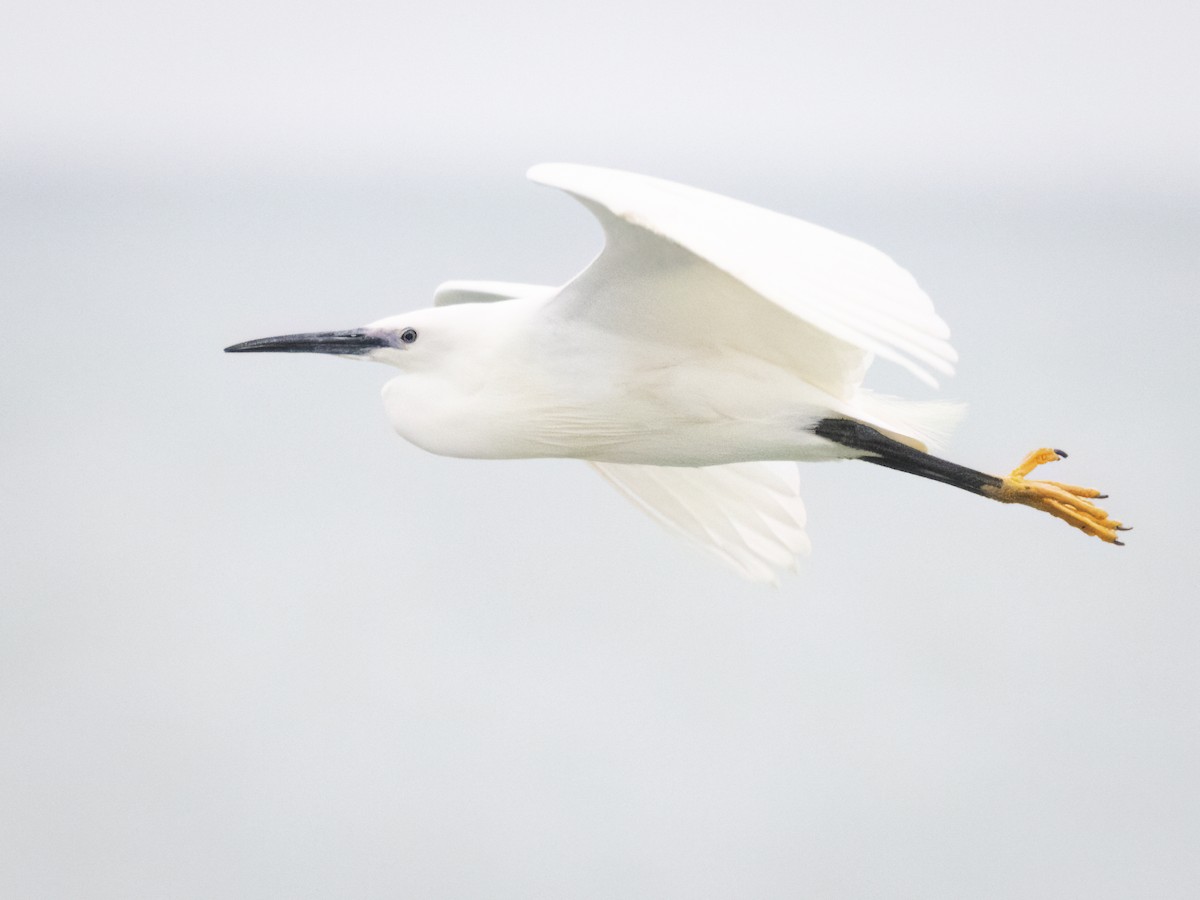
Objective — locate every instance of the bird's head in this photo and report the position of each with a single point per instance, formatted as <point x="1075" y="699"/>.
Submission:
<point x="447" y="360"/>
<point x="400" y="341"/>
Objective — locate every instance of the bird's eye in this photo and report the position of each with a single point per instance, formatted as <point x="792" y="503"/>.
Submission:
<point x="408" y="335"/>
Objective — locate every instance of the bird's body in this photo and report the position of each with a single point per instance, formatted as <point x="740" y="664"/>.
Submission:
<point x="515" y="380"/>
<point x="711" y="346"/>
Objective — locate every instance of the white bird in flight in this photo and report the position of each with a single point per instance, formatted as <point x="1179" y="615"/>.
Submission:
<point x="711" y="346"/>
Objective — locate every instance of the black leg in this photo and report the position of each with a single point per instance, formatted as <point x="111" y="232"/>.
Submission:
<point x="895" y="455"/>
<point x="1070" y="503"/>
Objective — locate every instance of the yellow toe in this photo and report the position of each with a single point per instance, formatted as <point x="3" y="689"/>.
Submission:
<point x="1070" y="503"/>
<point x="1035" y="459"/>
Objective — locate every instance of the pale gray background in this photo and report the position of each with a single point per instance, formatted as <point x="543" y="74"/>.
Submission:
<point x="252" y="645"/>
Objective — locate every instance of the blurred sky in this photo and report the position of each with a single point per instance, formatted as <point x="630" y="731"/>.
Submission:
<point x="1036" y="91"/>
<point x="254" y="646"/>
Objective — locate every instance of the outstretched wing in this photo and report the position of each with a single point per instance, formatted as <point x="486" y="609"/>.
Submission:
<point x="749" y="515"/>
<point x="688" y="265"/>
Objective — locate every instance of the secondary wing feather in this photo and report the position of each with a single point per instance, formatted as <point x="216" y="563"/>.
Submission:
<point x="453" y="292"/>
<point x="749" y="515"/>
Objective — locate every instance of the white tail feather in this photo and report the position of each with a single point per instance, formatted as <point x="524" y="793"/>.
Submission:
<point x="927" y="423"/>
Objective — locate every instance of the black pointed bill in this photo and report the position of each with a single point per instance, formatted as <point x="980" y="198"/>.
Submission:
<point x="355" y="342"/>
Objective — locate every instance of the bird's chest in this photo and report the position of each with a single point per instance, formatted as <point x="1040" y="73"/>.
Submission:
<point x="498" y="415"/>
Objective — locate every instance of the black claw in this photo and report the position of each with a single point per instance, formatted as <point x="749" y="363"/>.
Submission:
<point x="1102" y="496"/>
<point x="1119" y="543"/>
<point x="1062" y="454"/>
<point x="1123" y="528"/>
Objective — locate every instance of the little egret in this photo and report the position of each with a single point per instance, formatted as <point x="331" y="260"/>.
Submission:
<point x="710" y="346"/>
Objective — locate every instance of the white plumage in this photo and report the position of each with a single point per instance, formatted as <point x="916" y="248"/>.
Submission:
<point x="688" y="363"/>
<point x="749" y="515"/>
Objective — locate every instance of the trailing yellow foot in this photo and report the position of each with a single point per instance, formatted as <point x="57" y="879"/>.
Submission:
<point x="1068" y="502"/>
